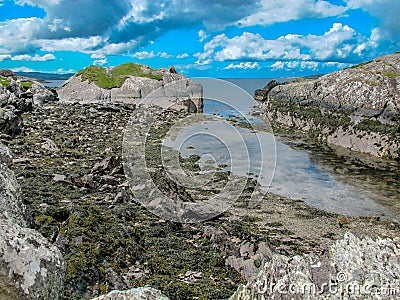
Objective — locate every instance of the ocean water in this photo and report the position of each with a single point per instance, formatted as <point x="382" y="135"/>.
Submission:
<point x="285" y="167"/>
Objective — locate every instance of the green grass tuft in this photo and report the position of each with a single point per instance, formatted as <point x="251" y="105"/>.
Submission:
<point x="118" y="75"/>
<point x="5" y="82"/>
<point x="391" y="74"/>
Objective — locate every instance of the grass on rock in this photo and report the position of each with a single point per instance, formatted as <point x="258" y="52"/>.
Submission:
<point x="117" y="76"/>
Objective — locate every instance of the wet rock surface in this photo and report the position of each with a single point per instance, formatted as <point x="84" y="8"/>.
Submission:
<point x="356" y="108"/>
<point x="81" y="202"/>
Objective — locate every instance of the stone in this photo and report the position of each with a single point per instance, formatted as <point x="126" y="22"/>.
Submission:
<point x="49" y="145"/>
<point x="349" y="266"/>
<point x="122" y="197"/>
<point x="361" y="106"/>
<point x="40" y="94"/>
<point x="30" y="266"/>
<point x="141" y="293"/>
<point x="134" y="89"/>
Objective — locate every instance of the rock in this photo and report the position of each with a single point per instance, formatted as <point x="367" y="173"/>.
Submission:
<point x="110" y="180"/>
<point x="107" y="164"/>
<point x="356" y="108"/>
<point x="49" y="145"/>
<point x="8" y="73"/>
<point x="350" y="265"/>
<point x="136" y="88"/>
<point x="142" y="293"/>
<point x="40" y="94"/>
<point x="30" y="267"/>
<point x="122" y="197"/>
<point x="262" y="94"/>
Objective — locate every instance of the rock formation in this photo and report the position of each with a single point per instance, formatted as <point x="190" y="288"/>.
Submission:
<point x="17" y="98"/>
<point x="134" y="88"/>
<point x="142" y="293"/>
<point x="353" y="268"/>
<point x="356" y="108"/>
<point x="30" y="267"/>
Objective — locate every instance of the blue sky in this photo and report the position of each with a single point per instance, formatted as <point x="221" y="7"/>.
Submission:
<point x="227" y="38"/>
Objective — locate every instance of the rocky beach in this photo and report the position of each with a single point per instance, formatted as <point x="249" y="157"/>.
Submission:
<point x="73" y="228"/>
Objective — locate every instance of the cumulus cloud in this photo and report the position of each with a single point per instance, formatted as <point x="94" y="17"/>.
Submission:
<point x="242" y="65"/>
<point x="339" y="43"/>
<point x="183" y="55"/>
<point x="5" y="57"/>
<point x="36" y="57"/>
<point x="202" y="35"/>
<point x="151" y="54"/>
<point x="275" y="11"/>
<point x="100" y="62"/>
<point x="305" y="65"/>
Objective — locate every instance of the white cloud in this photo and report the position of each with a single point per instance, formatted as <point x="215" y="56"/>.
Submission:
<point x="22" y="69"/>
<point x="69" y="44"/>
<point x="183" y="55"/>
<point x="36" y="57"/>
<point x="97" y="55"/>
<point x="151" y="54"/>
<point x="5" y="57"/>
<point x="100" y="62"/>
<point x="339" y="43"/>
<point x="242" y="65"/>
<point x="275" y="11"/>
<point x="305" y="65"/>
<point x="62" y="71"/>
<point x="202" y="35"/>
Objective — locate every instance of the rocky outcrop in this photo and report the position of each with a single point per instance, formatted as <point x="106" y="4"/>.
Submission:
<point x="353" y="268"/>
<point x="356" y="108"/>
<point x="134" y="89"/>
<point x="142" y="293"/>
<point x="30" y="267"/>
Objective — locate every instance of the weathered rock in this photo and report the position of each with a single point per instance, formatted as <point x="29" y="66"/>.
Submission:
<point x="262" y="94"/>
<point x="30" y="267"/>
<point x="356" y="108"/>
<point x="142" y="293"/>
<point x="8" y="73"/>
<point x="135" y="89"/>
<point x="40" y="94"/>
<point x="353" y="268"/>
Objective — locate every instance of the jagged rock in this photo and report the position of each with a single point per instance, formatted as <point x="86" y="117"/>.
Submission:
<point x="262" y="94"/>
<point x="135" y="88"/>
<point x="351" y="269"/>
<point x="142" y="293"/>
<point x="30" y="267"/>
<point x="40" y="94"/>
<point x="366" y="97"/>
<point x="8" y="73"/>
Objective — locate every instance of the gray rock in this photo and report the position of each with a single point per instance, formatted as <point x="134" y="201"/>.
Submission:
<point x="368" y="94"/>
<point x="353" y="268"/>
<point x="142" y="293"/>
<point x="186" y="95"/>
<point x="40" y="94"/>
<point x="30" y="267"/>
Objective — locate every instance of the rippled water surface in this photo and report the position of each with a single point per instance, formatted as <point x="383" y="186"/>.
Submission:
<point x="287" y="167"/>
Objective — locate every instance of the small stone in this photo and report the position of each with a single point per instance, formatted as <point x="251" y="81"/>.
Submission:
<point x="122" y="197"/>
<point x="49" y="145"/>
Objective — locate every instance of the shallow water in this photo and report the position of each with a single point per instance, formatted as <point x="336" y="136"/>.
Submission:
<point x="289" y="168"/>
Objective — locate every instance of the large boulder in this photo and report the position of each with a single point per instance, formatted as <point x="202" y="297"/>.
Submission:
<point x="141" y="293"/>
<point x="30" y="266"/>
<point x="352" y="268"/>
<point x="169" y="85"/>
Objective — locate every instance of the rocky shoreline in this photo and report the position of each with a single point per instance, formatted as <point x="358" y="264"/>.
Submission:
<point x="356" y="108"/>
<point x="68" y="163"/>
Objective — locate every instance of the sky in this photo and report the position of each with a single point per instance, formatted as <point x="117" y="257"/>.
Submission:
<point x="201" y="38"/>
